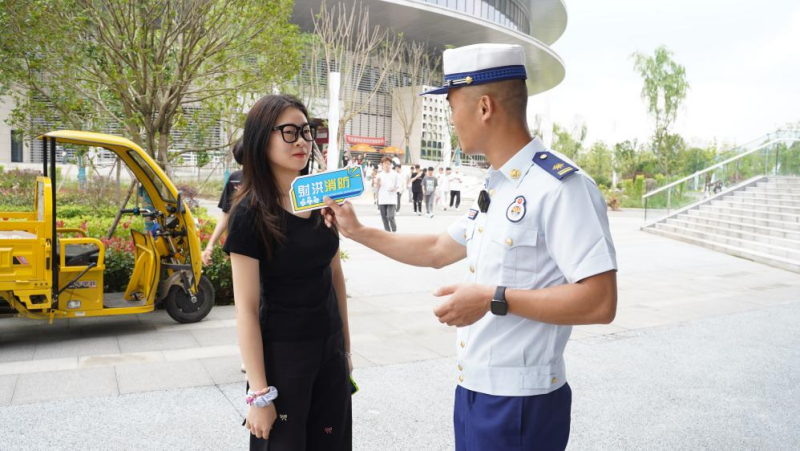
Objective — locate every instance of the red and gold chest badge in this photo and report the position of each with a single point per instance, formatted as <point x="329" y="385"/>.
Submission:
<point x="516" y="211"/>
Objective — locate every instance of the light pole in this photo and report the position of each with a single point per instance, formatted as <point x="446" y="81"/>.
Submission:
<point x="334" y="79"/>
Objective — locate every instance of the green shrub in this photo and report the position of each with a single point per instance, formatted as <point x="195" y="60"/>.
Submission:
<point x="17" y="188"/>
<point x="219" y="273"/>
<point x="99" y="193"/>
<point x="120" y="262"/>
<point x="638" y="187"/>
<point x="89" y="211"/>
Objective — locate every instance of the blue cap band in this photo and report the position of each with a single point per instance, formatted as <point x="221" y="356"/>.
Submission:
<point x="480" y="77"/>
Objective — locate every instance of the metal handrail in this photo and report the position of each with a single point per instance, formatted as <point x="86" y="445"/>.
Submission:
<point x="790" y="135"/>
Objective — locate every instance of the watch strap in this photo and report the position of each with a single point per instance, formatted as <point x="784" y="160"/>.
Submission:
<point x="500" y="294"/>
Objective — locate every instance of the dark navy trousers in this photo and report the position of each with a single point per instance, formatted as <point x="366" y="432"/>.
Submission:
<point x="512" y="423"/>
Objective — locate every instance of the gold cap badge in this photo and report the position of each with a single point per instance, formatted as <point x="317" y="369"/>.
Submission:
<point x="469" y="80"/>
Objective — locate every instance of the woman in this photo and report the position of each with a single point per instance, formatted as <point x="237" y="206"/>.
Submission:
<point x="225" y="200"/>
<point x="291" y="304"/>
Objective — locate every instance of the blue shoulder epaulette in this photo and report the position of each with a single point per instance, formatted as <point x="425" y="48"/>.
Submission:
<point x="553" y="165"/>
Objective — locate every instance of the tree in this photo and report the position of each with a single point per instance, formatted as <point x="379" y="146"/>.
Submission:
<point x="696" y="159"/>
<point x="632" y="159"/>
<point x="536" y="130"/>
<point x="597" y="163"/>
<point x="664" y="90"/>
<point x="569" y="143"/>
<point x="310" y="84"/>
<point x="148" y="67"/>
<point x="414" y="67"/>
<point x="363" y="54"/>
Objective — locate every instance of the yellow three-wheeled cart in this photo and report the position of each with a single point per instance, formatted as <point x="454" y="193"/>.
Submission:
<point x="48" y="272"/>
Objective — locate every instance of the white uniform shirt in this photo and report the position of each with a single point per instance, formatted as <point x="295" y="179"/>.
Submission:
<point x="444" y="180"/>
<point x="557" y="234"/>
<point x="404" y="180"/>
<point x="388" y="180"/>
<point x="455" y="182"/>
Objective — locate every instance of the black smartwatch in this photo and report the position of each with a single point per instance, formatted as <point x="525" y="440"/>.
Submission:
<point x="499" y="304"/>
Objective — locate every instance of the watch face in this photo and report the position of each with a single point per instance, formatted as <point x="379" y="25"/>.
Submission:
<point x="499" y="307"/>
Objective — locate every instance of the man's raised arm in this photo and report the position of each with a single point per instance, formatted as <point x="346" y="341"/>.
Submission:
<point x="434" y="251"/>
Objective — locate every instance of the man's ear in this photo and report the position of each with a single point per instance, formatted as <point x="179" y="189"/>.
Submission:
<point x="487" y="107"/>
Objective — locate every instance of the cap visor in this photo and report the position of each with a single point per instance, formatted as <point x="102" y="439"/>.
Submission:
<point x="437" y="91"/>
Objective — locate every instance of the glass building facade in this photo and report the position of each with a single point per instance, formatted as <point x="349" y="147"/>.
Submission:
<point x="508" y="13"/>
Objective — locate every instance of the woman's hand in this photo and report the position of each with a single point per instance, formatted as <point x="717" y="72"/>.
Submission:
<point x="350" y="363"/>
<point x="207" y="256"/>
<point x="260" y="419"/>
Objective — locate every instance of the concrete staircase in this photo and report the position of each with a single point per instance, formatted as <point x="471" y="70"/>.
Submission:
<point x="759" y="222"/>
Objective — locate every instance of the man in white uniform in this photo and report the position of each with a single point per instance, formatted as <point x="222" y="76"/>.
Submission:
<point x="539" y="255"/>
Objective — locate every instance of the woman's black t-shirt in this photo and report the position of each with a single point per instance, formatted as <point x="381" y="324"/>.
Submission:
<point x="298" y="301"/>
<point x="234" y="182"/>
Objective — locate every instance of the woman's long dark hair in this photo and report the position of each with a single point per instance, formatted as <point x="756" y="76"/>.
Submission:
<point x="259" y="191"/>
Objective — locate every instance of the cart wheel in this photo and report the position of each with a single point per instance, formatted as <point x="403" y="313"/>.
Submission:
<point x="180" y="307"/>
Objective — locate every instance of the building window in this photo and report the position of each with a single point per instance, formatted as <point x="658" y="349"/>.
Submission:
<point x="16" y="146"/>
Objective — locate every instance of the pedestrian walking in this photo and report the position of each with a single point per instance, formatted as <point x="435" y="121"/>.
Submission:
<point x="445" y="181"/>
<point x="225" y="201"/>
<point x="455" y="190"/>
<point x="416" y="189"/>
<point x="387" y="184"/>
<point x="403" y="180"/>
<point x="429" y="189"/>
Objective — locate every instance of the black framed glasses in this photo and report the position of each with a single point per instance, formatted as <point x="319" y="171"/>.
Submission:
<point x="291" y="132"/>
<point x="484" y="200"/>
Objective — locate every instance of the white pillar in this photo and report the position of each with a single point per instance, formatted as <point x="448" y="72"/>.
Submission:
<point x="447" y="148"/>
<point x="547" y="122"/>
<point x="334" y="80"/>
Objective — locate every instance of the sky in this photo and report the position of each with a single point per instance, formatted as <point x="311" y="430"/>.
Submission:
<point x="742" y="61"/>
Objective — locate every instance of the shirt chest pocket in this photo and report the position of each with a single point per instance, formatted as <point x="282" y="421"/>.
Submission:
<point x="517" y="246"/>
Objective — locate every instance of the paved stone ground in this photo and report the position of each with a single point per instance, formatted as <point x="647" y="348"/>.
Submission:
<point x="703" y="354"/>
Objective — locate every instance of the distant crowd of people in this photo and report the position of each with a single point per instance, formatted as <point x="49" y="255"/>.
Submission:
<point x="435" y="189"/>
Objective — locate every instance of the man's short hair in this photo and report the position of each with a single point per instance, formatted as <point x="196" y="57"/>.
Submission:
<point x="447" y="169"/>
<point x="238" y="151"/>
<point x="510" y="95"/>
<point x="385" y="160"/>
<point x="430" y="168"/>
<point x="416" y="166"/>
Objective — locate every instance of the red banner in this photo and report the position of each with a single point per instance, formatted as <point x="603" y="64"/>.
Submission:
<point x="322" y="135"/>
<point x="365" y="140"/>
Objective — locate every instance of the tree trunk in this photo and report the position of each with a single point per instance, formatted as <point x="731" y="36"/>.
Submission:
<point x="119" y="211"/>
<point x="119" y="184"/>
<point x="163" y="150"/>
